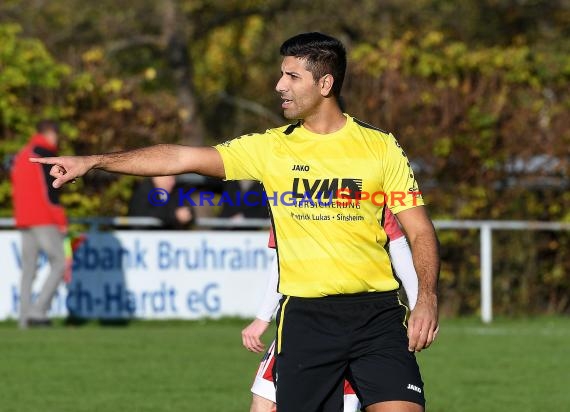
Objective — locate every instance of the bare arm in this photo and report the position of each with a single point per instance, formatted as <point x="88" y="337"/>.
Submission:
<point x="159" y="160"/>
<point x="423" y="322"/>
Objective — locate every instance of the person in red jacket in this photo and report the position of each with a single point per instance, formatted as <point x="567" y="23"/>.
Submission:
<point x="41" y="220"/>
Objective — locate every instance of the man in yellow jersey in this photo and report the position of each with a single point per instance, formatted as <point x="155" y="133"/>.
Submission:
<point x="329" y="178"/>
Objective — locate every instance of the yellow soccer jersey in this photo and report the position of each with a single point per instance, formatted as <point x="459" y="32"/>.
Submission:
<point x="327" y="194"/>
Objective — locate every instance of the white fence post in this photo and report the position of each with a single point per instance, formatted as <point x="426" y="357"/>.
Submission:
<point x="486" y="273"/>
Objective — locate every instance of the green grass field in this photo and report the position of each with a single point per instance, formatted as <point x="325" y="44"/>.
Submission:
<point x="511" y="365"/>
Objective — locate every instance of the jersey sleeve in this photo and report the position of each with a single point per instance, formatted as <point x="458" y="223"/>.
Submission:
<point x="271" y="298"/>
<point x="391" y="226"/>
<point x="401" y="257"/>
<point x="400" y="186"/>
<point x="244" y="157"/>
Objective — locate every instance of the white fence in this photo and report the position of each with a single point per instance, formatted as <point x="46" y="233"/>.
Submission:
<point x="486" y="228"/>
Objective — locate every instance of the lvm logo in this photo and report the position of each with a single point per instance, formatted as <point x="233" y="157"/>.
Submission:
<point x="330" y="188"/>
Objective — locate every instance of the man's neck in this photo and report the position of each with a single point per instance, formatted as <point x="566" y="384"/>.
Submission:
<point x="325" y="121"/>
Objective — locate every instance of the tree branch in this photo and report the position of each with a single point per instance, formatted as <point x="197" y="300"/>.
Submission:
<point x="135" y="41"/>
<point x="251" y="106"/>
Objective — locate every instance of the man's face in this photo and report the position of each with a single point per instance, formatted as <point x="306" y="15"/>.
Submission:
<point x="301" y="95"/>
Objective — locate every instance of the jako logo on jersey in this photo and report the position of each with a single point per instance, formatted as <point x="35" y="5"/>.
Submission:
<point x="414" y="388"/>
<point x="331" y="188"/>
<point x="301" y="168"/>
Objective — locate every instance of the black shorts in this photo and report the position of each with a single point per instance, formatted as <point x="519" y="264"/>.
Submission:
<point x="361" y="337"/>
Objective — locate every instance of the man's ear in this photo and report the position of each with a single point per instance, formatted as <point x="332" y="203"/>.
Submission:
<point x="326" y="83"/>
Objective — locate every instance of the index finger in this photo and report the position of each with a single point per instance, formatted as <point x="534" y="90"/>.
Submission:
<point x="43" y="160"/>
<point x="413" y="334"/>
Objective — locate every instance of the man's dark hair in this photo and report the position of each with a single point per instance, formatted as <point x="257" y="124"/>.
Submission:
<point x="47" y="125"/>
<point x="324" y="55"/>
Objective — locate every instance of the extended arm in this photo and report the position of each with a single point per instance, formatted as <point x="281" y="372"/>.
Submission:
<point x="159" y="160"/>
<point x="423" y="321"/>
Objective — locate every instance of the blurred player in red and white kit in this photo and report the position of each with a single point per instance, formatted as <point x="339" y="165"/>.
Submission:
<point x="263" y="388"/>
